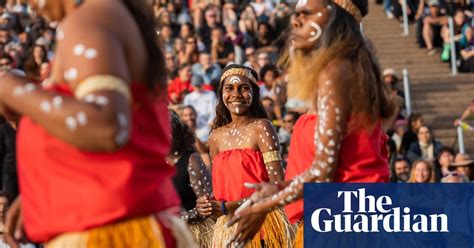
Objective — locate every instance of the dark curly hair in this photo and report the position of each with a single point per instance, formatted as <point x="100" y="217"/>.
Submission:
<point x="183" y="137"/>
<point x="256" y="109"/>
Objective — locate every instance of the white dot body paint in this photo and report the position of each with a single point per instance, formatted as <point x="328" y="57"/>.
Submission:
<point x="102" y="100"/>
<point x="237" y="110"/>
<point x="122" y="120"/>
<point x="60" y="34"/>
<point x="45" y="106"/>
<point x="89" y="98"/>
<point x="79" y="49"/>
<point x="315" y="172"/>
<point x="319" y="14"/>
<point x="234" y="80"/>
<point x="90" y="53"/>
<point x="331" y="160"/>
<point x="29" y="87"/>
<point x="70" y="74"/>
<point x="71" y="123"/>
<point x="319" y="31"/>
<point x="18" y="91"/>
<point x="121" y="137"/>
<point x="57" y="102"/>
<point x="81" y="118"/>
<point x="301" y="3"/>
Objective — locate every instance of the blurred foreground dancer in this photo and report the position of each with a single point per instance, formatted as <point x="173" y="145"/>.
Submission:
<point x="342" y="141"/>
<point x="91" y="149"/>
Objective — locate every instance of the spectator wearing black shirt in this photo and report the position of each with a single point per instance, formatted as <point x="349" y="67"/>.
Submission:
<point x="222" y="51"/>
<point x="210" y="24"/>
<point x="9" y="181"/>
<point x="415" y="121"/>
<point x="427" y="148"/>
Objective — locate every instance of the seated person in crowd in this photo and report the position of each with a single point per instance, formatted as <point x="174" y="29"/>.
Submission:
<point x="432" y="24"/>
<point x="400" y="171"/>
<point x="464" y="165"/>
<point x="443" y="163"/>
<point x="286" y="130"/>
<point x="462" y="35"/>
<point x="415" y="121"/>
<point x="427" y="148"/>
<point x="222" y="51"/>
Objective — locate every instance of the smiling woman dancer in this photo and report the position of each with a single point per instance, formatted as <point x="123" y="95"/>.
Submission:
<point x="245" y="149"/>
<point x="332" y="66"/>
<point x="91" y="150"/>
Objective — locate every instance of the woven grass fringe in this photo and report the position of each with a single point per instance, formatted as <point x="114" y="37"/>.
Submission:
<point x="202" y="232"/>
<point x="299" y="235"/>
<point x="138" y="232"/>
<point x="276" y="231"/>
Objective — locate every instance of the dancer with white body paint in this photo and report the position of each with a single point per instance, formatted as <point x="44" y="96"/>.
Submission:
<point x="341" y="139"/>
<point x="244" y="148"/>
<point x="192" y="180"/>
<point x="94" y="143"/>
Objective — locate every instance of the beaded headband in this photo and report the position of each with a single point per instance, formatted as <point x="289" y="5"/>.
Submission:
<point x="239" y="71"/>
<point x="348" y="6"/>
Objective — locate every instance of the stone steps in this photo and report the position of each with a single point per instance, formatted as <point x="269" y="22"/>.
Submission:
<point x="435" y="93"/>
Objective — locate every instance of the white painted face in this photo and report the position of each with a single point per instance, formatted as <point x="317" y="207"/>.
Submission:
<point x="316" y="33"/>
<point x="301" y="3"/>
<point x="237" y="94"/>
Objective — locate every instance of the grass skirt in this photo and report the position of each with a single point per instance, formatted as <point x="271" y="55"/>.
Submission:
<point x="276" y="231"/>
<point x="202" y="232"/>
<point x="298" y="243"/>
<point x="144" y="232"/>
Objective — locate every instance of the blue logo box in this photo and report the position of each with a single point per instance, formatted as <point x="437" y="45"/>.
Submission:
<point x="388" y="215"/>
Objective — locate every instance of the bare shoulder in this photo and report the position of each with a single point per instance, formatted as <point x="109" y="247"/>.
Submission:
<point x="96" y="16"/>
<point x="262" y="125"/>
<point x="215" y="135"/>
<point x="338" y="71"/>
<point x="195" y="158"/>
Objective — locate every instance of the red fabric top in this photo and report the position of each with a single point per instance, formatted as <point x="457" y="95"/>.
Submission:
<point x="232" y="168"/>
<point x="362" y="158"/>
<point x="64" y="189"/>
<point x="179" y="88"/>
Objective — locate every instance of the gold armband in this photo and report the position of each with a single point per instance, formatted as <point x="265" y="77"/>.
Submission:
<point x="103" y="82"/>
<point x="272" y="156"/>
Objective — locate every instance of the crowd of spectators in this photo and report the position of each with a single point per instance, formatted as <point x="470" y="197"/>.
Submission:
<point x="432" y="28"/>
<point x="415" y="154"/>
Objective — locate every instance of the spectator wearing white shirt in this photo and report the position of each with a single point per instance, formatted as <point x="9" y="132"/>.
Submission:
<point x="204" y="102"/>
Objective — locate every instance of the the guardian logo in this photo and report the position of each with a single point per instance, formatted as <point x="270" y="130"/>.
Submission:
<point x="375" y="215"/>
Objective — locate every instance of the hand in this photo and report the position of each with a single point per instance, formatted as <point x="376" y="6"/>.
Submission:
<point x="215" y="43"/>
<point x="262" y="190"/>
<point x="209" y="207"/>
<point x="457" y="122"/>
<point x="418" y="16"/>
<point x="247" y="228"/>
<point x="14" y="225"/>
<point x="258" y="202"/>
